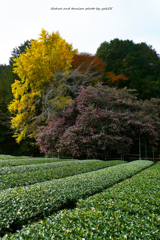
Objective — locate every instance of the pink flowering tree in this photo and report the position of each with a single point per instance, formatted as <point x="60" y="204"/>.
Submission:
<point x="48" y="137"/>
<point x="101" y="120"/>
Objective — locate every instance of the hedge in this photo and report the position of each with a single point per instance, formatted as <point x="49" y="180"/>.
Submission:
<point x="72" y="168"/>
<point x="128" y="210"/>
<point x="4" y="157"/>
<point x="35" y="167"/>
<point x="28" y="161"/>
<point x="20" y="205"/>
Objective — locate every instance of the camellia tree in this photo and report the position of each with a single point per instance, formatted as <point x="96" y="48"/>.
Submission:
<point x="48" y="136"/>
<point x="101" y="120"/>
<point x="37" y="69"/>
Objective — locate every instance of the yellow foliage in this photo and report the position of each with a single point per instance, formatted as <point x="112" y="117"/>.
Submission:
<point x="47" y="56"/>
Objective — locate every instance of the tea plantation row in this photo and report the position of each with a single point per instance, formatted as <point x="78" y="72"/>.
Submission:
<point x="57" y="171"/>
<point x="29" y="161"/>
<point x="128" y="210"/>
<point x="21" y="205"/>
<point x="42" y="166"/>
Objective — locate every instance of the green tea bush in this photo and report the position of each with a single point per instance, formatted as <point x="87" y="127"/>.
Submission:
<point x="128" y="210"/>
<point x="52" y="172"/>
<point x="28" y="161"/>
<point x="5" y="157"/>
<point x="41" y="166"/>
<point x="19" y="205"/>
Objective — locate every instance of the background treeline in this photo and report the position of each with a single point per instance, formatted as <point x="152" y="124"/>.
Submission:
<point x="122" y="62"/>
<point x="8" y="145"/>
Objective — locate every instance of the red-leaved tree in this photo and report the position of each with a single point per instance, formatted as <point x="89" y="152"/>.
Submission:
<point x="101" y="120"/>
<point x="88" y="62"/>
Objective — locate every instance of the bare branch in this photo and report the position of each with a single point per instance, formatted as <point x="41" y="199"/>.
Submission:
<point x="5" y="120"/>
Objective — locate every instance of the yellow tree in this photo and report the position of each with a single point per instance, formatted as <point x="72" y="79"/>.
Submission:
<point x="37" y="69"/>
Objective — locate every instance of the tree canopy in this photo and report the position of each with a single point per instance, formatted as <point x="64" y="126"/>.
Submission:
<point x="100" y="121"/>
<point x="36" y="69"/>
<point x="138" y="62"/>
<point x="19" y="50"/>
<point x="86" y="62"/>
<point x="43" y="82"/>
<point x="8" y="144"/>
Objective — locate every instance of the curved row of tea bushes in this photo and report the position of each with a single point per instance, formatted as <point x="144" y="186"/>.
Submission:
<point x="41" y="166"/>
<point x="10" y="157"/>
<point x="28" y="161"/>
<point x="70" y="169"/>
<point x="128" y="210"/>
<point x="6" y="157"/>
<point x="19" y="205"/>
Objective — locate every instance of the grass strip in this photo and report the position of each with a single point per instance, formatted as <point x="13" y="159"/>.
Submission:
<point x="20" y="205"/>
<point x="57" y="171"/>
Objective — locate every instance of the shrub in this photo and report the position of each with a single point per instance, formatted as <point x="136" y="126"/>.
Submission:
<point x="101" y="120"/>
<point x="54" y="172"/>
<point x="128" y="210"/>
<point x="20" y="205"/>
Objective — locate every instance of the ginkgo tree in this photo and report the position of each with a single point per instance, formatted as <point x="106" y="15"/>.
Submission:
<point x="37" y="70"/>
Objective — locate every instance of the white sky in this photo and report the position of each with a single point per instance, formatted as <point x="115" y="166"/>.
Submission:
<point x="137" y="20"/>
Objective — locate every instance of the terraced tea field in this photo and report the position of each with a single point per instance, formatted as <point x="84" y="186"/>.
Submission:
<point x="78" y="199"/>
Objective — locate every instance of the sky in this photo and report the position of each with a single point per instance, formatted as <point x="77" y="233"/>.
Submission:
<point x="84" y="23"/>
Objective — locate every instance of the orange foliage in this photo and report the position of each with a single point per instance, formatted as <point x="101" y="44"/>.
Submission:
<point x="89" y="63"/>
<point x="113" y="79"/>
